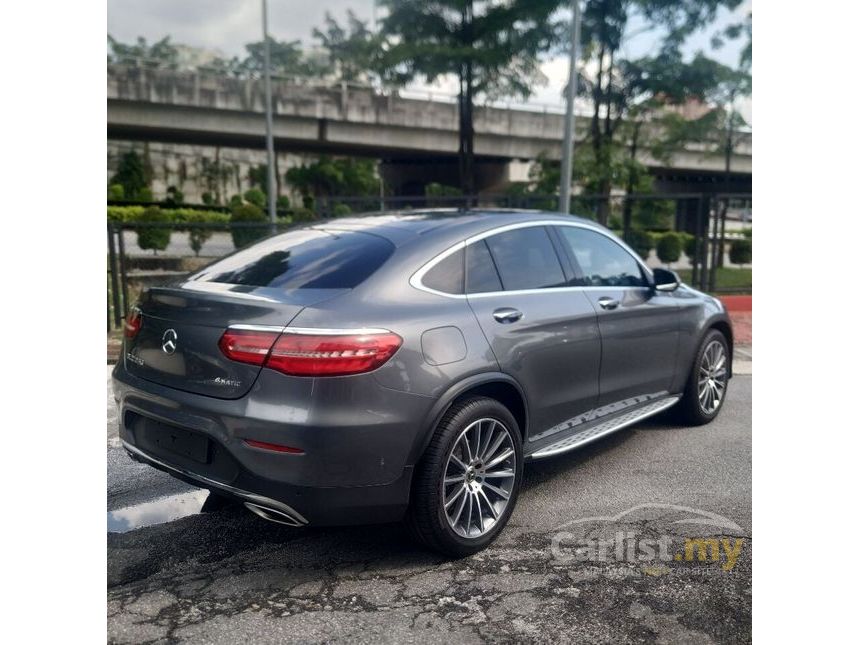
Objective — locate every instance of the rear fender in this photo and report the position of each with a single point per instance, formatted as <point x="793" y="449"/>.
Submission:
<point x="444" y="402"/>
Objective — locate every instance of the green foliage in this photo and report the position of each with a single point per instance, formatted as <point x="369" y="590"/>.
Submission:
<point x="183" y="215"/>
<point x="669" y="248"/>
<point x="145" y="194"/>
<point x="286" y="59"/>
<point x="492" y="48"/>
<point x="741" y="252"/>
<point x="152" y="237"/>
<point x="329" y="176"/>
<point x="353" y="50"/>
<point x="653" y="214"/>
<point x="747" y="233"/>
<point x="640" y="241"/>
<point x="303" y="215"/>
<point x="197" y="236"/>
<point x="248" y="213"/>
<point x="690" y="246"/>
<point x="728" y="278"/>
<point x="132" y="214"/>
<point x="341" y="210"/>
<point x="235" y="200"/>
<point x="259" y="176"/>
<point x="282" y="203"/>
<point x="116" y="193"/>
<point x="161" y="53"/>
<point x="208" y="198"/>
<point x="131" y="175"/>
<point x="174" y="197"/>
<point x="631" y="98"/>
<point x="124" y="214"/>
<point x="256" y="197"/>
<point x="434" y="189"/>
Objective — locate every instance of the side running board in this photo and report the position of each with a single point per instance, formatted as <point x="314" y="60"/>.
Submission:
<point x="587" y="435"/>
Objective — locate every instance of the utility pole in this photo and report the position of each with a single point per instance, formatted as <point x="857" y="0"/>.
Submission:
<point x="569" y="116"/>
<point x="270" y="143"/>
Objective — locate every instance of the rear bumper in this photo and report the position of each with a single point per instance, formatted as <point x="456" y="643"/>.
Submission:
<point x="356" y="438"/>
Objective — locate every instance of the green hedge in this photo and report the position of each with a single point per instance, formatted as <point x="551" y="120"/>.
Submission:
<point x="132" y="214"/>
<point x="669" y="247"/>
<point x="153" y="237"/>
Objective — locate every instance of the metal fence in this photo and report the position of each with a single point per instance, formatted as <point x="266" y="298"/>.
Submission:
<point x="712" y="223"/>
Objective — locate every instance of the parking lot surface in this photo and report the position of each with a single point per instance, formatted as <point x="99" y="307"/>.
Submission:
<point x="228" y="576"/>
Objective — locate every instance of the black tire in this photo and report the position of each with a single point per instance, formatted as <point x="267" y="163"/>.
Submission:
<point x="689" y="410"/>
<point x="426" y="517"/>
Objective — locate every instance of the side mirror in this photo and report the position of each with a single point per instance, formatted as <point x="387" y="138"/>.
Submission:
<point x="665" y="280"/>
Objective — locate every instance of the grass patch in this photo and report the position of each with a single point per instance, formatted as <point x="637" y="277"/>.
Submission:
<point x="728" y="278"/>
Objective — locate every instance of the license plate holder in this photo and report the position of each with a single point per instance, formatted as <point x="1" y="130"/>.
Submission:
<point x="178" y="441"/>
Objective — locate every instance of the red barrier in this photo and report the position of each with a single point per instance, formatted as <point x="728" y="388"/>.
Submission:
<point x="737" y="303"/>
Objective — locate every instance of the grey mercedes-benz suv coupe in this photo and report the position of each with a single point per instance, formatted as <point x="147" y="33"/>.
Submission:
<point x="406" y="365"/>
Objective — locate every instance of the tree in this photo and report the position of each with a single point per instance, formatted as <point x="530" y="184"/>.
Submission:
<point x="153" y="237"/>
<point x="610" y="82"/>
<point x="741" y="252"/>
<point x="669" y="248"/>
<point x="253" y="224"/>
<point x="286" y="59"/>
<point x="161" y="53"/>
<point x="131" y="175"/>
<point x="328" y="177"/>
<point x="491" y="48"/>
<point x="353" y="50"/>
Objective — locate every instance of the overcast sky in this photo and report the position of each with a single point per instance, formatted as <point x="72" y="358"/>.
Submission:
<point x="226" y="25"/>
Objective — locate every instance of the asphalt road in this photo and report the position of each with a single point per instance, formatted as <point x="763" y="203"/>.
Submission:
<point x="228" y="576"/>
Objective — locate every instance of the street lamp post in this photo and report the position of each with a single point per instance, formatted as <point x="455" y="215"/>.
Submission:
<point x="270" y="143"/>
<point x="569" y="116"/>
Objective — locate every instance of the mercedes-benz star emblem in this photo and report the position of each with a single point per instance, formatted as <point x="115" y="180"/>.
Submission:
<point x="168" y="341"/>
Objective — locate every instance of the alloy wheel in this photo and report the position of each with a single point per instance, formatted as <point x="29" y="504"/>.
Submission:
<point x="712" y="377"/>
<point x="479" y="477"/>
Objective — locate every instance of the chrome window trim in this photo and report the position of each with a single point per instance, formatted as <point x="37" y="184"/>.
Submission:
<point x="313" y="331"/>
<point x="416" y="278"/>
<point x="357" y="331"/>
<point x="275" y="328"/>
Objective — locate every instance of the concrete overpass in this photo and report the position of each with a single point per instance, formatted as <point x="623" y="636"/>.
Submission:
<point x="417" y="139"/>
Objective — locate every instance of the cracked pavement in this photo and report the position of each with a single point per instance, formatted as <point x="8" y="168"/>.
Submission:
<point x="228" y="576"/>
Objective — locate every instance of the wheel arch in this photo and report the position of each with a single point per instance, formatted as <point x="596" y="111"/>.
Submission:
<point x="724" y="326"/>
<point x="495" y="385"/>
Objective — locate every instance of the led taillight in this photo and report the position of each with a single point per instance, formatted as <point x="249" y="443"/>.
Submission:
<point x="331" y="355"/>
<point x="247" y="346"/>
<point x="132" y="323"/>
<point x="309" y="354"/>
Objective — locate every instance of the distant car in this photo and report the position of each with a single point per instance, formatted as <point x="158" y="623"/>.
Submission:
<point x="406" y="365"/>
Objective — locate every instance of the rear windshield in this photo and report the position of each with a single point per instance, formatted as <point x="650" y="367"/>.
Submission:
<point x="304" y="259"/>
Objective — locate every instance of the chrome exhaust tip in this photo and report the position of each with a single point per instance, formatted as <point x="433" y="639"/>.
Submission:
<point x="274" y="515"/>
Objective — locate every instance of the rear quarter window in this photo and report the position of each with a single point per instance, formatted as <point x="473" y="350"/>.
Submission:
<point x="303" y="259"/>
<point x="446" y="275"/>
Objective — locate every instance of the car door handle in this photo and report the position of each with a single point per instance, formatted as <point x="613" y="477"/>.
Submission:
<point x="608" y="303"/>
<point x="507" y="315"/>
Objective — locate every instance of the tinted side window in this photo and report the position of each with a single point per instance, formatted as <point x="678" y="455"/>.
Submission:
<point x="447" y="275"/>
<point x="303" y="259"/>
<point x="481" y="274"/>
<point x="526" y="259"/>
<point x="604" y="263"/>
